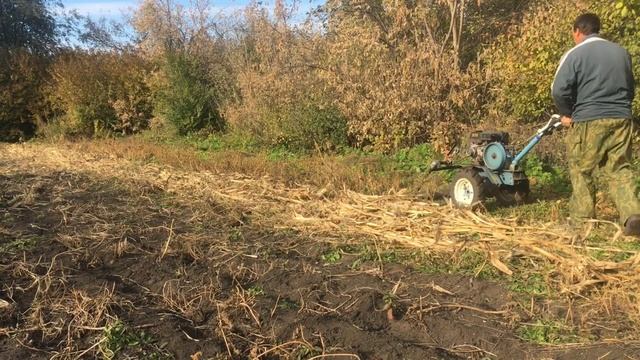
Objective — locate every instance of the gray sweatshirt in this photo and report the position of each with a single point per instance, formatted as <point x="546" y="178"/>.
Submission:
<point x="594" y="81"/>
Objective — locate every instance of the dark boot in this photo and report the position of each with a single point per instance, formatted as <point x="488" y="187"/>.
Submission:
<point x="632" y="226"/>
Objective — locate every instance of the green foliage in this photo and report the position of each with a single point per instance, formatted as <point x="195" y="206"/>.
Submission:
<point x="288" y="304"/>
<point x="29" y="25"/>
<point x="621" y="23"/>
<point x="22" y="101"/>
<point x="280" y="153"/>
<point x="233" y="140"/>
<point x="523" y="61"/>
<point x="530" y="284"/>
<point x="544" y="175"/>
<point x="416" y="159"/>
<point x="305" y="352"/>
<point x="468" y="262"/>
<point x="542" y="209"/>
<point x="301" y="126"/>
<point x="307" y="127"/>
<point x="184" y="96"/>
<point x="476" y="264"/>
<point x="100" y="93"/>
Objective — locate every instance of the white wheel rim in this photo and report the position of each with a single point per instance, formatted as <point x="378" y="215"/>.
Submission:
<point x="463" y="192"/>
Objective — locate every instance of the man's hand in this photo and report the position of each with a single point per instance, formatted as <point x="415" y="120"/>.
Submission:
<point x="566" y="121"/>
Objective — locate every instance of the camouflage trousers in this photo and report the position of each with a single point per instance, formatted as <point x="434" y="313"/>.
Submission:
<point x="604" y="144"/>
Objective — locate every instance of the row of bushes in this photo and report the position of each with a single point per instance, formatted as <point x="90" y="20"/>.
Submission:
<point x="376" y="74"/>
<point x="523" y="60"/>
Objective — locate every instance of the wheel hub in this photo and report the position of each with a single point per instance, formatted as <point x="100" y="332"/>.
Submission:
<point x="463" y="192"/>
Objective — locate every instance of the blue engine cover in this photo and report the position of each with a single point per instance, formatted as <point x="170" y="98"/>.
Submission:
<point x="495" y="156"/>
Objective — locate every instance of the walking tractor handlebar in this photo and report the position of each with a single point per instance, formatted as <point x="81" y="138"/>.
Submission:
<point x="553" y="124"/>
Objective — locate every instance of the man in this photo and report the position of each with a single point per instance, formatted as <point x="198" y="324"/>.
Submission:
<point x="593" y="90"/>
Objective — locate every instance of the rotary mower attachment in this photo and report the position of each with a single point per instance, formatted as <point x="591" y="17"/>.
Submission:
<point x="495" y="171"/>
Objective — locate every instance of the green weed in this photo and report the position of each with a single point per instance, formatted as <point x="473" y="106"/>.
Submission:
<point x="236" y="235"/>
<point x="472" y="263"/>
<point x="227" y="141"/>
<point x="255" y="291"/>
<point x="389" y="299"/>
<point x="332" y="256"/>
<point x="365" y="253"/>
<point x="552" y="178"/>
<point x="306" y="352"/>
<point x="286" y="304"/>
<point x="540" y="210"/>
<point x="22" y="243"/>
<point x="629" y="248"/>
<point x="117" y="337"/>
<point x="547" y="332"/>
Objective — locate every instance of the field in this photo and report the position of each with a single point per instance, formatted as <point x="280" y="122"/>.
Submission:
<point x="109" y="252"/>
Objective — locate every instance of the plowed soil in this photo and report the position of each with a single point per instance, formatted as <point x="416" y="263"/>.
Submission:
<point x="98" y="266"/>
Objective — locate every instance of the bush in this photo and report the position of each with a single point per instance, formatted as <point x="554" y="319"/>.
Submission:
<point x="523" y="62"/>
<point x="622" y="24"/>
<point x="22" y="103"/>
<point x="184" y="96"/>
<point x="302" y="127"/>
<point x="397" y="75"/>
<point x="100" y="93"/>
<point x="283" y="100"/>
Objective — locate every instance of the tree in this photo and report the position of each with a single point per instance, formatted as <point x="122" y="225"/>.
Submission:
<point x="27" y="40"/>
<point x="27" y="24"/>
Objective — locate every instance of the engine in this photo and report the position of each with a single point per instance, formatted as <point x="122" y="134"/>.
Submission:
<point x="488" y="148"/>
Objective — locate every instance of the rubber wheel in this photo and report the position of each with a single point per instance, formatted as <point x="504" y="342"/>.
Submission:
<point x="467" y="189"/>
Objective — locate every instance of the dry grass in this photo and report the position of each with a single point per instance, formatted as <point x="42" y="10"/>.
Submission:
<point x="59" y="315"/>
<point x="94" y="223"/>
<point x="392" y="220"/>
<point x="321" y="171"/>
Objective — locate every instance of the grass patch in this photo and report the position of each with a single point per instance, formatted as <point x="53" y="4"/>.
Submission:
<point x="467" y="262"/>
<point x="360" y="255"/>
<point x="546" y="332"/>
<point x="539" y="210"/>
<point x="369" y="173"/>
<point x="599" y="239"/>
<point x="236" y="235"/>
<point x="530" y="284"/>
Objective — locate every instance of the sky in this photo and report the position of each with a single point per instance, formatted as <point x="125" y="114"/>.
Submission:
<point x="102" y="8"/>
<point x="115" y="9"/>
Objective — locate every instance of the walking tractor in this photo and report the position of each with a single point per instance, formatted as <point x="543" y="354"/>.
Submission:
<point x="496" y="170"/>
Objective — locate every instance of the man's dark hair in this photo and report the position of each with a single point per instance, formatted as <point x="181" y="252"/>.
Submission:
<point x="587" y="24"/>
